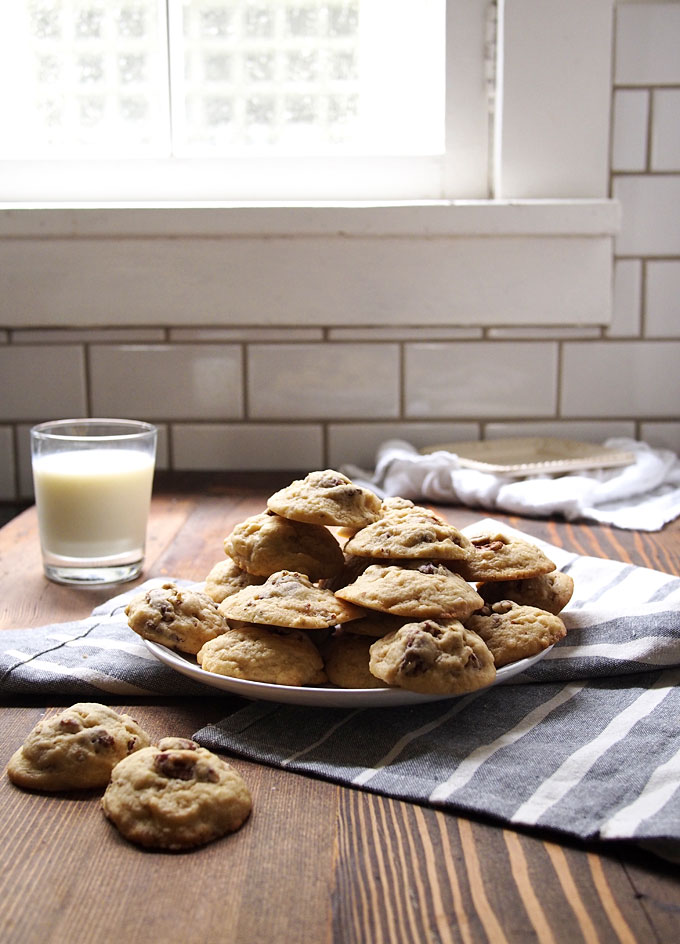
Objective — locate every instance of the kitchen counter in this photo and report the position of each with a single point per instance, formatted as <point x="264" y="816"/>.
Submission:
<point x="316" y="862"/>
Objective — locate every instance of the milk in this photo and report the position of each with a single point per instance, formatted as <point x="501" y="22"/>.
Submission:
<point x="93" y="503"/>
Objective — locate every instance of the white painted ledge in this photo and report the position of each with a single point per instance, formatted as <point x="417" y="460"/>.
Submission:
<point x="443" y="263"/>
<point x="589" y="217"/>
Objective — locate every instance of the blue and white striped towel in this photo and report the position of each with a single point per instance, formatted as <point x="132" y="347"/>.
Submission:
<point x="586" y="742"/>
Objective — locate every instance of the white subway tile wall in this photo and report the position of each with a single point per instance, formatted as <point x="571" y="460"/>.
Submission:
<point x="308" y="392"/>
<point x="629" y="137"/>
<point x="662" y="299"/>
<point x="627" y="311"/>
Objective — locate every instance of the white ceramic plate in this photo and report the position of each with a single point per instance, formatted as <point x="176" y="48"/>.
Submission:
<point x="329" y="697"/>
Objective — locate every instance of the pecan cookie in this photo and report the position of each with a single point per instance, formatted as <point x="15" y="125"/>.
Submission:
<point x="76" y="749"/>
<point x="549" y="592"/>
<point x="347" y="659"/>
<point x="434" y="657"/>
<point x="415" y="590"/>
<point x="226" y="577"/>
<point x="514" y="632"/>
<point x="175" y="796"/>
<point x="288" y="599"/>
<point x="376" y="624"/>
<point x="326" y="498"/>
<point x="410" y="533"/>
<point x="266" y="543"/>
<point x="499" y="557"/>
<point x="352" y="568"/>
<point x="264" y="654"/>
<point x="178" y="618"/>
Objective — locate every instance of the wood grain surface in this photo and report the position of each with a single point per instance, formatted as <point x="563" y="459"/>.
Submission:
<point x="315" y="862"/>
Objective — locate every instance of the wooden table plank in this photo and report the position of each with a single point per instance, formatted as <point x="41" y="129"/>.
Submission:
<point x="315" y="862"/>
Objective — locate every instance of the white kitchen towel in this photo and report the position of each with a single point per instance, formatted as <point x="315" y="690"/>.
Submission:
<point x="643" y="496"/>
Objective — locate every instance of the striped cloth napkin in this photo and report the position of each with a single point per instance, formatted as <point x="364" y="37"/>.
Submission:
<point x="586" y="742"/>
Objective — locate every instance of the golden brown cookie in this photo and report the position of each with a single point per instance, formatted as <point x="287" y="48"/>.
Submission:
<point x="288" y="599"/>
<point x="266" y="543"/>
<point x="410" y="534"/>
<point x="226" y="577"/>
<point x="514" y="632"/>
<point x="353" y="566"/>
<point x="416" y="590"/>
<point x="434" y="657"/>
<point x="76" y="749"/>
<point x="496" y="556"/>
<point x="176" y="617"/>
<point x="549" y="592"/>
<point x="347" y="659"/>
<point x="264" y="654"/>
<point x="376" y="624"/>
<point x="326" y="498"/>
<point x="175" y="796"/>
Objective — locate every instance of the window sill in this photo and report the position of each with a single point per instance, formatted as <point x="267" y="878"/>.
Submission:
<point x="589" y="217"/>
<point x="481" y="263"/>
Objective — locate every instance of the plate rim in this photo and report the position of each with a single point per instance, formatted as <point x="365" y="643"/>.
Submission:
<point x="327" y="696"/>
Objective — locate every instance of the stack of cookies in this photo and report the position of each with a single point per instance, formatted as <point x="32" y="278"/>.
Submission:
<point x="332" y="585"/>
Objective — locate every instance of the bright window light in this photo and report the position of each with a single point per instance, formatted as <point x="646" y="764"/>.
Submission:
<point x="222" y="78"/>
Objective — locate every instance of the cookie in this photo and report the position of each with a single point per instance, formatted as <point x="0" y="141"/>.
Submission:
<point x="433" y="657"/>
<point x="496" y="556"/>
<point x="414" y="590"/>
<point x="288" y="599"/>
<point x="175" y="796"/>
<point x="352" y="568"/>
<point x="549" y="592"/>
<point x="410" y="534"/>
<point x="376" y="624"/>
<point x="266" y="543"/>
<point x="347" y="659"/>
<point x="326" y="498"/>
<point x="176" y="617"/>
<point x="226" y="577"/>
<point x="76" y="749"/>
<point x="513" y="632"/>
<point x="264" y="654"/>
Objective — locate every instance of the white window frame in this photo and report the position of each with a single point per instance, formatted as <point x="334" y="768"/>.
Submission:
<point x="461" y="172"/>
<point x="539" y="252"/>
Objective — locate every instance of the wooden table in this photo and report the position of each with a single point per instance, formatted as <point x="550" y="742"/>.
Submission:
<point x="316" y="862"/>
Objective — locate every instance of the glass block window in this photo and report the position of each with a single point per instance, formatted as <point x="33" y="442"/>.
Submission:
<point x="88" y="78"/>
<point x="221" y="78"/>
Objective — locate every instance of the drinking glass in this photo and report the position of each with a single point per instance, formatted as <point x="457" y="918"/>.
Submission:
<point x="93" y="481"/>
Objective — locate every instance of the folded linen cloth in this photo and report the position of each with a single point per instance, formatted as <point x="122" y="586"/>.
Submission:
<point x="643" y="496"/>
<point x="585" y="742"/>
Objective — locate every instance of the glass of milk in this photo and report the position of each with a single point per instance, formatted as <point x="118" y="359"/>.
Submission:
<point x="92" y="481"/>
